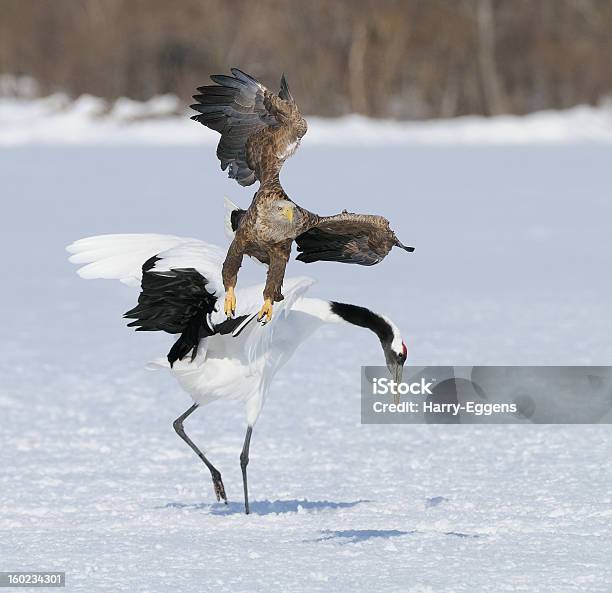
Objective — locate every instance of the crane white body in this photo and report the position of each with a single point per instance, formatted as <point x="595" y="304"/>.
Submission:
<point x="242" y="368"/>
<point x="226" y="367"/>
<point x="181" y="289"/>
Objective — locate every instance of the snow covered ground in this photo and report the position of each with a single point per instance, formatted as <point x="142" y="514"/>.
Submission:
<point x="512" y="266"/>
<point x="162" y="120"/>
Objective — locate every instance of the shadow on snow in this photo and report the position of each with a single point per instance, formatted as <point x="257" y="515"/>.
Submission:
<point x="353" y="536"/>
<point x="264" y="507"/>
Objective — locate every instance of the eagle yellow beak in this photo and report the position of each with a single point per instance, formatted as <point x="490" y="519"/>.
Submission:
<point x="288" y="213"/>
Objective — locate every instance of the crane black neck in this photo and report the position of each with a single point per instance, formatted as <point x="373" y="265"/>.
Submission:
<point x="363" y="317"/>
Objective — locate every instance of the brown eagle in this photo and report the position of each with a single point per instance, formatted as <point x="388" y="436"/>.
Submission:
<point x="259" y="131"/>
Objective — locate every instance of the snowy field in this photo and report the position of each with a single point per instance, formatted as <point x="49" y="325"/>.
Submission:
<point x="89" y="120"/>
<point x="511" y="267"/>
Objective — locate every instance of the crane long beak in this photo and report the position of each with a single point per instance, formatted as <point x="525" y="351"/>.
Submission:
<point x="288" y="214"/>
<point x="397" y="371"/>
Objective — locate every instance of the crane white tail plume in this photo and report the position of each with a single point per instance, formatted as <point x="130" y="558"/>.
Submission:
<point x="258" y="342"/>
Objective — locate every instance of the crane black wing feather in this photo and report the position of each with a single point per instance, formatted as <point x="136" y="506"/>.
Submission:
<point x="177" y="302"/>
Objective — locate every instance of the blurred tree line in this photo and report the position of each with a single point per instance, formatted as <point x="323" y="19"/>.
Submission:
<point x="392" y="58"/>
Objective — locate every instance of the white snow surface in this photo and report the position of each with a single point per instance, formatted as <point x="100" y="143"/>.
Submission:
<point x="511" y="266"/>
<point x="162" y="120"/>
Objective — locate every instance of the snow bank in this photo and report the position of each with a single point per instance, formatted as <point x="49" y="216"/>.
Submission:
<point x="163" y="120"/>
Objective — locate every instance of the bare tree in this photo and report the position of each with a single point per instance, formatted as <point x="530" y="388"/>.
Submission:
<point x="383" y="58"/>
<point x="493" y="97"/>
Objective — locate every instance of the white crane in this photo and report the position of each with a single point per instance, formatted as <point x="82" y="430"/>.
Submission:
<point x="216" y="358"/>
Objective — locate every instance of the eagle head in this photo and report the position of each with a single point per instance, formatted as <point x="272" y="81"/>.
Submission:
<point x="283" y="212"/>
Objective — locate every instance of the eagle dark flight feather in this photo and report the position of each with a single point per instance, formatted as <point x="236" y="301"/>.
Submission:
<point x="259" y="129"/>
<point x="362" y="239"/>
<point x="348" y="238"/>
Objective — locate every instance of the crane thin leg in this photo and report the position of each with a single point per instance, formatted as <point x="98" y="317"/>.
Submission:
<point x="214" y="472"/>
<point x="244" y="461"/>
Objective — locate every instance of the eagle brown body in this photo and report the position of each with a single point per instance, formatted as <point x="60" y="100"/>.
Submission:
<point x="267" y="150"/>
<point x="262" y="234"/>
<point x="259" y="131"/>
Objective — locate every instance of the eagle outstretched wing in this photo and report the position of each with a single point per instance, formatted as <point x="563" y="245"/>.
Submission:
<point x="362" y="239"/>
<point x="259" y="129"/>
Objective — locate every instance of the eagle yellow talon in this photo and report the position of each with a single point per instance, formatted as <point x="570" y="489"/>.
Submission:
<point x="230" y="302"/>
<point x="265" y="311"/>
